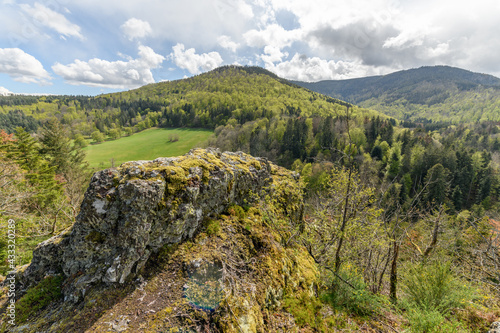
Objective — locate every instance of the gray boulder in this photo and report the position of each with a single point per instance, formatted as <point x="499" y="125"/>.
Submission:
<point x="131" y="211"/>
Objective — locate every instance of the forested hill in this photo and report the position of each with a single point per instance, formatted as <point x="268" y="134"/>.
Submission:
<point x="439" y="93"/>
<point x="243" y="93"/>
<point x="207" y="100"/>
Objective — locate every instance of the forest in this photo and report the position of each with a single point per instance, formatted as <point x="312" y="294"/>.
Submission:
<point x="400" y="213"/>
<point x="437" y="93"/>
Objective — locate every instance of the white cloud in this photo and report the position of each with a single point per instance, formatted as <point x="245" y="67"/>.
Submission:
<point x="112" y="74"/>
<point x="195" y="63"/>
<point x="272" y="54"/>
<point x="135" y="28"/>
<point x="193" y="22"/>
<point x="274" y="35"/>
<point x="226" y="42"/>
<point x="302" y="68"/>
<point x="5" y="92"/>
<point x="47" y="17"/>
<point x="22" y="67"/>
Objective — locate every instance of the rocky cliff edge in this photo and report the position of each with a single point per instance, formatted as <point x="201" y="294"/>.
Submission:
<point x="208" y="233"/>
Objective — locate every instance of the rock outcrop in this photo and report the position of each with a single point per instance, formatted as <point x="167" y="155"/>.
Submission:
<point x="132" y="211"/>
<point x="201" y="242"/>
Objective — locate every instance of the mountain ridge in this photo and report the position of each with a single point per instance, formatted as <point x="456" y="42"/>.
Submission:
<point x="420" y="93"/>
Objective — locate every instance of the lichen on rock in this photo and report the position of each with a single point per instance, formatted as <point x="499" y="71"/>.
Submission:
<point x="133" y="210"/>
<point x="225" y="263"/>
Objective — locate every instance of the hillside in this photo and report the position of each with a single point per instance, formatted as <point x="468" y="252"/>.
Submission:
<point x="250" y="109"/>
<point x="205" y="101"/>
<point x="231" y="92"/>
<point x="200" y="263"/>
<point x="228" y="243"/>
<point x="439" y="93"/>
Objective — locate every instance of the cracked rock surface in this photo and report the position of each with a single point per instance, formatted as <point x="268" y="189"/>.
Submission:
<point x="131" y="211"/>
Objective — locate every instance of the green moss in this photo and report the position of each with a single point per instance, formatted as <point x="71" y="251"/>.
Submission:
<point x="305" y="310"/>
<point x="213" y="227"/>
<point x="38" y="297"/>
<point x="236" y="211"/>
<point x="166" y="251"/>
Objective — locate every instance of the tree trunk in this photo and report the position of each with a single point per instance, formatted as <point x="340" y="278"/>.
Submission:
<point x="394" y="274"/>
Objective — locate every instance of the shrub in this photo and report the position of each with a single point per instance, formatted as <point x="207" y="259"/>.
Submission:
<point x="434" y="288"/>
<point x="422" y="321"/>
<point x="353" y="297"/>
<point x="305" y="310"/>
<point x="173" y="137"/>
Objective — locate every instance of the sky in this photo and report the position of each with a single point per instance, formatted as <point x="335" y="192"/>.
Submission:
<point x="89" y="47"/>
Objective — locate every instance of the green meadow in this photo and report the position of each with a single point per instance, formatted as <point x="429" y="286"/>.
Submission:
<point x="145" y="145"/>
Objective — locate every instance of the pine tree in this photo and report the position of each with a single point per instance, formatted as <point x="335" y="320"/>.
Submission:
<point x="59" y="150"/>
<point x="40" y="175"/>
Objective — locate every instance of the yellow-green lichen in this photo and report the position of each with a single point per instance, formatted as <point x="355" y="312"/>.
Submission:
<point x="95" y="237"/>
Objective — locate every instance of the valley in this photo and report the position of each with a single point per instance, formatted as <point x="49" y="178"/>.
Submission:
<point x="360" y="205"/>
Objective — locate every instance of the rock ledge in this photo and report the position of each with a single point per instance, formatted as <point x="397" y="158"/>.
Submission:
<point x="131" y="211"/>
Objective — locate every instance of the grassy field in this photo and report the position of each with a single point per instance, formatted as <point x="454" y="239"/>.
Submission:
<point x="146" y="145"/>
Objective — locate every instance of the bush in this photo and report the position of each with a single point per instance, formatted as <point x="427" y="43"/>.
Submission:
<point x="305" y="310"/>
<point x="173" y="137"/>
<point x="424" y="321"/>
<point x="98" y="137"/>
<point x="434" y="288"/>
<point x="353" y="297"/>
<point x="80" y="141"/>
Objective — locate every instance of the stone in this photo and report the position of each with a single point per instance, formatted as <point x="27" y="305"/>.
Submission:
<point x="495" y="327"/>
<point x="131" y="211"/>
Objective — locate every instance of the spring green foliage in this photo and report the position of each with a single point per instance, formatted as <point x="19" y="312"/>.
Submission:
<point x="439" y="94"/>
<point x="59" y="150"/>
<point x="40" y="174"/>
<point x="305" y="309"/>
<point x="44" y="184"/>
<point x="206" y="101"/>
<point x="433" y="287"/>
<point x="391" y="212"/>
<point x="352" y="295"/>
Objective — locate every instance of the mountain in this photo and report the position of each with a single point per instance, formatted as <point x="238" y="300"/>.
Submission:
<point x="231" y="93"/>
<point x="439" y="93"/>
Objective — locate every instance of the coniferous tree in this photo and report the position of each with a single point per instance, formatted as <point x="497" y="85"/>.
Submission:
<point x="40" y="175"/>
<point x="59" y="150"/>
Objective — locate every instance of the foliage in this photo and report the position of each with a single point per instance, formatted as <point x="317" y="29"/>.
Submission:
<point x="433" y="287"/>
<point x="345" y="210"/>
<point x="97" y="136"/>
<point x="439" y="94"/>
<point x="385" y="202"/>
<point x="349" y="293"/>
<point x="58" y="149"/>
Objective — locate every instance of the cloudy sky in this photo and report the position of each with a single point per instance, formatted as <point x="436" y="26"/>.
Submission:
<point x="95" y="46"/>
